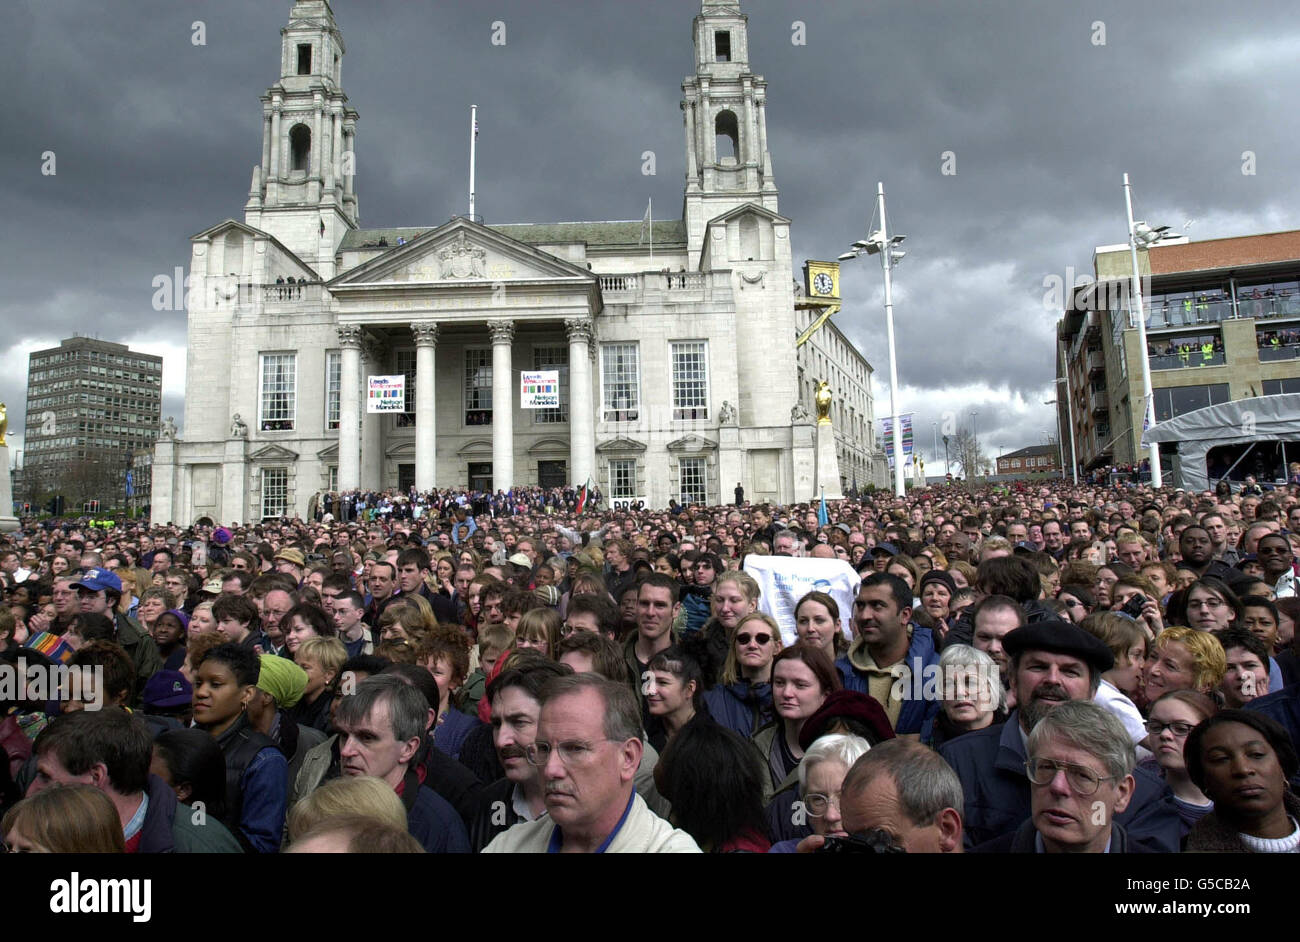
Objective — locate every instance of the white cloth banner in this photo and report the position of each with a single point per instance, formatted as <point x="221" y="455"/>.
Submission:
<point x="539" y="389"/>
<point x="386" y="393"/>
<point x="784" y="580"/>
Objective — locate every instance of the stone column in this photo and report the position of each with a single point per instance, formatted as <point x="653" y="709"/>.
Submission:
<point x="503" y="405"/>
<point x="267" y="138"/>
<point x="350" y="144"/>
<point x="426" y="458"/>
<point x="336" y="147"/>
<point x="350" y="408"/>
<point x="582" y="420"/>
<point x="372" y="452"/>
<point x="275" y="140"/>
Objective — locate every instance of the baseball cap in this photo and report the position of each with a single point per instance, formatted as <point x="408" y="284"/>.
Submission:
<point x="97" y="580"/>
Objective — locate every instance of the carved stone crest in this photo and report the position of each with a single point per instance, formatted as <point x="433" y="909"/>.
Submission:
<point x="462" y="259"/>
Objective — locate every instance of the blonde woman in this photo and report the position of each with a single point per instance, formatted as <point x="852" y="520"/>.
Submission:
<point x="71" y="819"/>
<point x="362" y="795"/>
<point x="742" y="699"/>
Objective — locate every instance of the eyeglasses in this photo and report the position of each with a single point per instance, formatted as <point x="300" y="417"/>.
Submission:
<point x="817" y="805"/>
<point x="762" y="638"/>
<point x="572" y="752"/>
<point x="1155" y="728"/>
<point x="1082" y="780"/>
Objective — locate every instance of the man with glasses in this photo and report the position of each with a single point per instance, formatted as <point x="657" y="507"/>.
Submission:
<point x="1080" y="769"/>
<point x="1052" y="662"/>
<point x="587" y="750"/>
<point x="275" y="606"/>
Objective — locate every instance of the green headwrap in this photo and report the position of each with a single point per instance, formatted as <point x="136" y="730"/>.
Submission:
<point x="282" y="679"/>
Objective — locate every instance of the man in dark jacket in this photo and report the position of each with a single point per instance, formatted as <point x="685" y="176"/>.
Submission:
<point x="892" y="657"/>
<point x="99" y="591"/>
<point x="1051" y="662"/>
<point x="111" y="750"/>
<point x="1284" y="707"/>
<point x="381" y="729"/>
<point x="1080" y="770"/>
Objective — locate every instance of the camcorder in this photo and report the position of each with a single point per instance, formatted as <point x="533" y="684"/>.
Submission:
<point x="874" y="841"/>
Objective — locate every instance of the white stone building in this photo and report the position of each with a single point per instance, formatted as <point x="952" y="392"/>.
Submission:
<point x="679" y="373"/>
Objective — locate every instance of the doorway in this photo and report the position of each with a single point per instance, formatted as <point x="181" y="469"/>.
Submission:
<point x="552" y="474"/>
<point x="405" y="477"/>
<point x="480" y="476"/>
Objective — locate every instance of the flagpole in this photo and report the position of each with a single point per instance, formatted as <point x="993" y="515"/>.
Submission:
<point x="473" y="140"/>
<point x="650" y="208"/>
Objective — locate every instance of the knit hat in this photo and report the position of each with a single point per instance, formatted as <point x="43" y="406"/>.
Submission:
<point x="221" y="536"/>
<point x="180" y="616"/>
<point x="938" y="575"/>
<point x="282" y="679"/>
<point x="548" y="595"/>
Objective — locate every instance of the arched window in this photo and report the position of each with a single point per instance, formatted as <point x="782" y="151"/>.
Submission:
<point x="728" y="137"/>
<point x="300" y="144"/>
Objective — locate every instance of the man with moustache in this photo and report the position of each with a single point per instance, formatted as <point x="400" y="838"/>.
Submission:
<point x="516" y="705"/>
<point x="1052" y="662"/>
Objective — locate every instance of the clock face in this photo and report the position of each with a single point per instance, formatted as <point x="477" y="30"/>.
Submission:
<point x="823" y="284"/>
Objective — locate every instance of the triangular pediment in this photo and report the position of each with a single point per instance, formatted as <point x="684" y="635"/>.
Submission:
<point x="462" y="252"/>
<point x="619" y="445"/>
<point x="745" y="210"/>
<point x="270" y="453"/>
<point x="692" y="443"/>
<point x="213" y="233"/>
<point x="329" y="454"/>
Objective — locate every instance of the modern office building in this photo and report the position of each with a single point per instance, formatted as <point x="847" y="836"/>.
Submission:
<point x="674" y="344"/>
<point x="1222" y="324"/>
<point x="90" y="405"/>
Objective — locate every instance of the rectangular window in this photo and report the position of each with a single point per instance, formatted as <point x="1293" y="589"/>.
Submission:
<point x="622" y="479"/>
<point x="304" y="59"/>
<point x="1278" y="387"/>
<point x="275" y="492"/>
<point x="333" y="386"/>
<point x="277" y="402"/>
<point x="690" y="360"/>
<point x="722" y="46"/>
<point x="478" y="387"/>
<point x="405" y="363"/>
<point x="694" y="487"/>
<point x="1173" y="401"/>
<point x="333" y="478"/>
<point x="553" y="358"/>
<point x="620" y="382"/>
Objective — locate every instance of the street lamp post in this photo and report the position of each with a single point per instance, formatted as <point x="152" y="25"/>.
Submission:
<point x="1147" y="236"/>
<point x="880" y="243"/>
<point x="946" y="468"/>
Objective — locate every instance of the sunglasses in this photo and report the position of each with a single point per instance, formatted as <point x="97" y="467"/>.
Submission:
<point x="761" y="638"/>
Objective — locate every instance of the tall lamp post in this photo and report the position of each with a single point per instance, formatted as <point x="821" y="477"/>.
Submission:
<point x="882" y="244"/>
<point x="1141" y="233"/>
<point x="1060" y="442"/>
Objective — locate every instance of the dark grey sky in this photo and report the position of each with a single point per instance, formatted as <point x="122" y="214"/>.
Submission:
<point x="155" y="139"/>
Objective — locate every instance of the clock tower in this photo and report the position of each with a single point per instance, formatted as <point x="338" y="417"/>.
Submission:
<point x="302" y="192"/>
<point x="724" y="110"/>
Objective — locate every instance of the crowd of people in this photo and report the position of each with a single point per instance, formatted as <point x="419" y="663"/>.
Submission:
<point x="1031" y="668"/>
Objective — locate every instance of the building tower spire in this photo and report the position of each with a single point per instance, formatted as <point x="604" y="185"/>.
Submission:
<point x="302" y="191"/>
<point x="724" y="106"/>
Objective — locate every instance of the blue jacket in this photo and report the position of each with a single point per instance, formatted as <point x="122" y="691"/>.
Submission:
<point x="1283" y="706"/>
<point x="433" y="822"/>
<point x="742" y="707"/>
<point x="918" y="712"/>
<point x="696" y="603"/>
<point x="991" y="765"/>
<point x="450" y="735"/>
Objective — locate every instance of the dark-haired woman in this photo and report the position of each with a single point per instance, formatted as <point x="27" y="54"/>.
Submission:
<point x="257" y="773"/>
<point x="673" y="692"/>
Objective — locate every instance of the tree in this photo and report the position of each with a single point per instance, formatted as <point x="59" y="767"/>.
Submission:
<point x="968" y="455"/>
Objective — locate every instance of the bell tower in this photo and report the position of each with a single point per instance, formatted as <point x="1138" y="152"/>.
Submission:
<point x="724" y="107"/>
<point x="303" y="192"/>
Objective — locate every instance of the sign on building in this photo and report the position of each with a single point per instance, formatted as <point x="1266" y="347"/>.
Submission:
<point x="386" y="393"/>
<point x="539" y="389"/>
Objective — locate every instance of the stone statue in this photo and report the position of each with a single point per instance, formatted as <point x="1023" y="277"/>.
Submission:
<point x="237" y="427"/>
<point x="823" y="403"/>
<point x="4" y="424"/>
<point x="727" y="414"/>
<point x="799" y="415"/>
<point x="169" y="429"/>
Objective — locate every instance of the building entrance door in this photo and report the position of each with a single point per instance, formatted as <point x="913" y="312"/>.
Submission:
<point x="552" y="473"/>
<point x="405" y="477"/>
<point x="480" y="476"/>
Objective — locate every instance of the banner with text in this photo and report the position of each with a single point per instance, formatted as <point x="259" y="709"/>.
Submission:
<point x="386" y="393"/>
<point x="784" y="580"/>
<point x="539" y="389"/>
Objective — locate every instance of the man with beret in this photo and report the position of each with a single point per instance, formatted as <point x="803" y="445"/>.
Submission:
<point x="1052" y="662"/>
<point x="99" y="591"/>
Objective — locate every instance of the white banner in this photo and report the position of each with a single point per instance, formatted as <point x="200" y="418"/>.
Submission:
<point x="539" y="389"/>
<point x="386" y="393"/>
<point x="784" y="580"/>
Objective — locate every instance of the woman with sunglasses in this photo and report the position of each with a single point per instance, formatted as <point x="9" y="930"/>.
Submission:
<point x="742" y="700"/>
<point x="1078" y="601"/>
